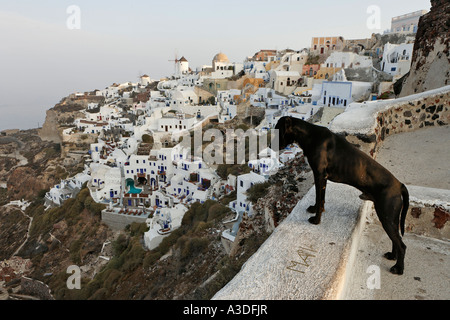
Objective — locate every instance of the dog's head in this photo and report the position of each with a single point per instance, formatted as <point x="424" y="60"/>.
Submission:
<point x="286" y="134"/>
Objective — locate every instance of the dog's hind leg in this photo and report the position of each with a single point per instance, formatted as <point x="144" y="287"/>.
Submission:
<point x="398" y="249"/>
<point x="389" y="214"/>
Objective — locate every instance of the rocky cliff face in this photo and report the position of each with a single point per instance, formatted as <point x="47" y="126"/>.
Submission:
<point x="63" y="114"/>
<point x="430" y="66"/>
<point x="29" y="165"/>
<point x="50" y="129"/>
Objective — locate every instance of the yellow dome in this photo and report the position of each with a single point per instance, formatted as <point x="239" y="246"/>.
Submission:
<point x="220" y="57"/>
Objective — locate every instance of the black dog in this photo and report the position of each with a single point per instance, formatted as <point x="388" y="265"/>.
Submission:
<point x="333" y="158"/>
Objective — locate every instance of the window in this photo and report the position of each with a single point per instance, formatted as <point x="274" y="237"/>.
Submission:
<point x="242" y="183"/>
<point x="393" y="68"/>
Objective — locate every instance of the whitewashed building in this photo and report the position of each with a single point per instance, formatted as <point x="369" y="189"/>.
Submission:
<point x="182" y="97"/>
<point x="267" y="162"/>
<point x="284" y="82"/>
<point x="244" y="182"/>
<point x="397" y="58"/>
<point x="347" y="60"/>
<point x="163" y="222"/>
<point x="336" y="93"/>
<point x="66" y="189"/>
<point x="406" y="23"/>
<point x="105" y="182"/>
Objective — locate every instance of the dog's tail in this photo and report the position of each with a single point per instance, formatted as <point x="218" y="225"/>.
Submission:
<point x="405" y="196"/>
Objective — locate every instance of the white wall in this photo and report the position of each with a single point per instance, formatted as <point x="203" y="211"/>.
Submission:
<point x="336" y="93"/>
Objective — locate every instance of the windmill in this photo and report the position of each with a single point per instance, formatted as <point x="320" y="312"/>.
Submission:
<point x="177" y="66"/>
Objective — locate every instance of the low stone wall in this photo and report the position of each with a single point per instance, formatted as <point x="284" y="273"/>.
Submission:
<point x="429" y="210"/>
<point x="368" y="124"/>
<point x="427" y="112"/>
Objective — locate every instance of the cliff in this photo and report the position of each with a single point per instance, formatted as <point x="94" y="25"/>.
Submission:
<point x="430" y="66"/>
<point x="63" y="114"/>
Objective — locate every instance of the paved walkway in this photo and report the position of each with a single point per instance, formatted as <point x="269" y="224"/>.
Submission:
<point x="420" y="158"/>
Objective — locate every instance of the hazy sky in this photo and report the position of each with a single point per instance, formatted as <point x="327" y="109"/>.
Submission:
<point x="42" y="60"/>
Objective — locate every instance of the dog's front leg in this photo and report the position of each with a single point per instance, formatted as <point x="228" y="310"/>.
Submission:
<point x="320" y="181"/>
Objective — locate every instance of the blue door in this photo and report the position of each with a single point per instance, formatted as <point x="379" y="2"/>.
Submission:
<point x="129" y="202"/>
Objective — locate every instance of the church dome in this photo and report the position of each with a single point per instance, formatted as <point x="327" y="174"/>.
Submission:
<point x="220" y="57"/>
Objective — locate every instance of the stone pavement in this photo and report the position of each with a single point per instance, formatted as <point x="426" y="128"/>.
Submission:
<point x="420" y="158"/>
